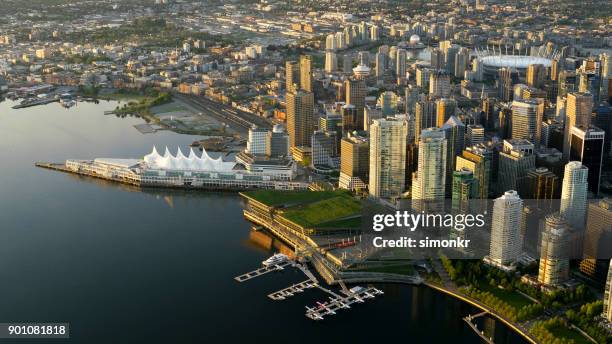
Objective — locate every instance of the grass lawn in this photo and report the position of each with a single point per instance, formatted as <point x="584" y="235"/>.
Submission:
<point x="513" y="298"/>
<point x="353" y="222"/>
<point x="338" y="207"/>
<point x="290" y="198"/>
<point x="567" y="333"/>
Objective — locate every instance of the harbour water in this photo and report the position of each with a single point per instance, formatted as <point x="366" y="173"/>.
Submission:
<point x="124" y="266"/>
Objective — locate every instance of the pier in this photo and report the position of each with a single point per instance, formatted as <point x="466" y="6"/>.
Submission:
<point x="261" y="271"/>
<point x="292" y="290"/>
<point x="356" y="294"/>
<point x="336" y="301"/>
<point x="468" y="319"/>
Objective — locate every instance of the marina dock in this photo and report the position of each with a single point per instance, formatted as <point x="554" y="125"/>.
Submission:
<point x="292" y="290"/>
<point x="261" y="271"/>
<point x="336" y="301"/>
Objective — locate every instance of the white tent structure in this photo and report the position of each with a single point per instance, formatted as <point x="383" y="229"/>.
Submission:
<point x="192" y="162"/>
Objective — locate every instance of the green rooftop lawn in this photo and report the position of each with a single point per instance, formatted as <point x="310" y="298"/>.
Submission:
<point x="352" y="222"/>
<point x="341" y="206"/>
<point x="274" y="198"/>
<point x="404" y="269"/>
<point x="513" y="298"/>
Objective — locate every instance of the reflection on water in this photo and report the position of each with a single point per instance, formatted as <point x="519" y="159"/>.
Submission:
<point x="125" y="265"/>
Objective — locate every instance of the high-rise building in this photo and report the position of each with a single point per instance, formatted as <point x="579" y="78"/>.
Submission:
<point x="354" y="162"/>
<point x="607" y="306"/>
<point x="437" y="59"/>
<point x="429" y="180"/>
<point x="388" y="102"/>
<point x="587" y="146"/>
<point x="445" y="108"/>
<point x="514" y="161"/>
<point x="324" y="149"/>
<point x="540" y="184"/>
<point x="331" y="62"/>
<point x="461" y="62"/>
<point x="474" y="135"/>
<point x="300" y="121"/>
<point x="505" y="248"/>
<point x="554" y="252"/>
<point x="356" y="92"/>
<point x="478" y="160"/>
<point x="350" y="118"/>
<point x="439" y="85"/>
<point x="454" y="132"/>
<point x="306" y="73"/>
<point x="400" y="64"/>
<point x="422" y="76"/>
<point x="574" y="194"/>
<point x="292" y="76"/>
<point x="380" y="68"/>
<point x="347" y="64"/>
<point x="527" y="116"/>
<point x="597" y="237"/>
<point x="536" y="75"/>
<point x="579" y="107"/>
<point x="277" y="142"/>
<point x="388" y="157"/>
<point x="425" y="117"/>
<point x="464" y="188"/>
<point x="505" y="84"/>
<point x="256" y="143"/>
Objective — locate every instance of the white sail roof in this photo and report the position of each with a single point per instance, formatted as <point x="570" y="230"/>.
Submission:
<point x="186" y="163"/>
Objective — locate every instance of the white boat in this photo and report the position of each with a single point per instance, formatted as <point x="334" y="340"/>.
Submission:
<point x="275" y="259"/>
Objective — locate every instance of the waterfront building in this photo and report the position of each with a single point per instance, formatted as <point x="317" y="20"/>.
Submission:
<point x="277" y="142"/>
<point x="574" y="194"/>
<point x="505" y="247"/>
<point x="256" y="143"/>
<point x="597" y="236"/>
<point x="429" y="180"/>
<point x="587" y="146"/>
<point x="579" y="107"/>
<point x="300" y="121"/>
<point x="388" y="157"/>
<point x="354" y="162"/>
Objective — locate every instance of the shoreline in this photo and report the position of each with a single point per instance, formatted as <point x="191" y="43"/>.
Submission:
<point x="514" y="326"/>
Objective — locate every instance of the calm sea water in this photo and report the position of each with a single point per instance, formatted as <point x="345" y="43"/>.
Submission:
<point x="126" y="266"/>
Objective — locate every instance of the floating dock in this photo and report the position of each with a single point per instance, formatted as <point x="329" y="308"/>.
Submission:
<point x="336" y="301"/>
<point x="356" y="295"/>
<point x="262" y="271"/>
<point x="292" y="290"/>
